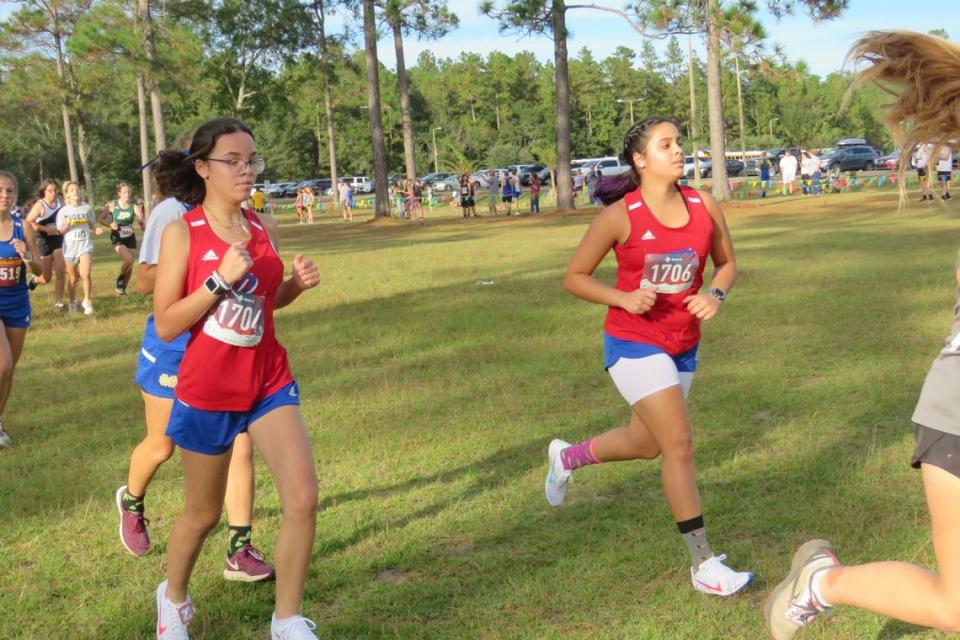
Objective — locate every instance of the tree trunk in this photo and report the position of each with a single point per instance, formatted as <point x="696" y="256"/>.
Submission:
<point x="83" y="150"/>
<point x="327" y="100"/>
<point x="693" y="112"/>
<point x="718" y="151"/>
<point x="319" y="134"/>
<point x="743" y="132"/>
<point x="64" y="109"/>
<point x="564" y="179"/>
<point x="381" y="206"/>
<point x="145" y="174"/>
<point x="150" y="52"/>
<point x="408" y="152"/>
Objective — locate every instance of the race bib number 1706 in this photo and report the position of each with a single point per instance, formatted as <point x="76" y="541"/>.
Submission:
<point x="670" y="272"/>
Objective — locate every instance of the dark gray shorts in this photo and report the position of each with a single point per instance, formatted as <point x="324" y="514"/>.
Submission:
<point x="937" y="448"/>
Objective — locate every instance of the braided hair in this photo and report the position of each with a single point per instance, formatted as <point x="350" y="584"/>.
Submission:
<point x="638" y="136"/>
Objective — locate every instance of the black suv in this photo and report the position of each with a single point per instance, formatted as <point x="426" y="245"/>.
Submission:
<point x="853" y="158"/>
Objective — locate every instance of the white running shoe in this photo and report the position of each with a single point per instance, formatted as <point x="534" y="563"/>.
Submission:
<point x="718" y="579"/>
<point x="172" y="621"/>
<point x="296" y="628"/>
<point x="5" y="440"/>
<point x="792" y="604"/>
<point x="87" y="307"/>
<point x="59" y="306"/>
<point x="558" y="478"/>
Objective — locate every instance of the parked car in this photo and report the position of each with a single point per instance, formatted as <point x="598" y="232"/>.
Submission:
<point x="320" y="186"/>
<point x="525" y="172"/>
<point x="609" y="166"/>
<point x="451" y="183"/>
<point x="776" y="155"/>
<point x="734" y="168"/>
<point x="432" y="178"/>
<point x="278" y="189"/>
<point x="889" y="161"/>
<point x="751" y="166"/>
<point x="854" y="158"/>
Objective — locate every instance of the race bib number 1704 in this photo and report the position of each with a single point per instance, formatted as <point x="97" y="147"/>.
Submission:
<point x="670" y="272"/>
<point x="237" y="320"/>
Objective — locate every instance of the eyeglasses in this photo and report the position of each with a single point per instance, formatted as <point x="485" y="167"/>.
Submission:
<point x="239" y="166"/>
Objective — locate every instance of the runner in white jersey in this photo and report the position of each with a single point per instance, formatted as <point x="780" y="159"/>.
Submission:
<point x="76" y="222"/>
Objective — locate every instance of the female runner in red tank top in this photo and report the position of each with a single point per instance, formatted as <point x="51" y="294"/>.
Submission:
<point x="220" y="277"/>
<point x="662" y="235"/>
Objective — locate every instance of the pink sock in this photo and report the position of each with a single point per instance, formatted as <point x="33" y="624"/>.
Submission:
<point x="578" y="455"/>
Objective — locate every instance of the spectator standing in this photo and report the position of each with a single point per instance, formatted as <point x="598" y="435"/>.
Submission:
<point x="535" y="194"/>
<point x="788" y="171"/>
<point x="493" y="192"/>
<point x="921" y="160"/>
<point x="805" y="172"/>
<point x="815" y="173"/>
<point x="945" y="171"/>
<point x="764" y="175"/>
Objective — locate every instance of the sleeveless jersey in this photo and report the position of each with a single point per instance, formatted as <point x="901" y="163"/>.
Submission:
<point x="217" y="373"/>
<point x="49" y="216"/>
<point x="670" y="259"/>
<point x="122" y="217"/>
<point x="14" y="297"/>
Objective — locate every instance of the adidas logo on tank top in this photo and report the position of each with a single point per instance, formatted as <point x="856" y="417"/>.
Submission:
<point x="209" y="256"/>
<point x="648" y="235"/>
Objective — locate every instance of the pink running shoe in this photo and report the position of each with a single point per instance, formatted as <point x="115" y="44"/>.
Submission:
<point x="247" y="565"/>
<point x="133" y="528"/>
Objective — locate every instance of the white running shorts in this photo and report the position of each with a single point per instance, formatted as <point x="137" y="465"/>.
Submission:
<point x="637" y="378"/>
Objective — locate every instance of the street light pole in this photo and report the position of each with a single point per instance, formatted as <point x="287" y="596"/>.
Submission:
<point x="630" y="102"/>
<point x="693" y="112"/>
<point x="434" y="133"/>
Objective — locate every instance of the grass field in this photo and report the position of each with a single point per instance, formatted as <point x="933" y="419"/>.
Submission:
<point x="431" y="398"/>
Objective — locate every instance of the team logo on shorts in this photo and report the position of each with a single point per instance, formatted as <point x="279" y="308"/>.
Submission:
<point x="168" y="381"/>
<point x="247" y="284"/>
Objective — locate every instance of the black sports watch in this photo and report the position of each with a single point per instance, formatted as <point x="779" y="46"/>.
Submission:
<point x="718" y="293"/>
<point x="215" y="284"/>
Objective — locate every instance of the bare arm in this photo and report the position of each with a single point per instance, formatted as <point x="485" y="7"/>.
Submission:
<point x="34" y="215"/>
<point x="610" y="227"/>
<point x="173" y="312"/>
<point x="28" y="248"/>
<point x="106" y="215"/>
<point x="146" y="277"/>
<point x="290" y="289"/>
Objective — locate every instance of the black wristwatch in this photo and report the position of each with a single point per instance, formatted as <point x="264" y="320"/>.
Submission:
<point x="718" y="293"/>
<point x="215" y="284"/>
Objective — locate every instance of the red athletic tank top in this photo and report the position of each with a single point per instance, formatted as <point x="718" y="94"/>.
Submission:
<point x="672" y="260"/>
<point x="216" y="373"/>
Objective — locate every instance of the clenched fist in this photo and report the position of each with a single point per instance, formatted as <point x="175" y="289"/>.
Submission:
<point x="638" y="301"/>
<point x="305" y="272"/>
<point x="236" y="262"/>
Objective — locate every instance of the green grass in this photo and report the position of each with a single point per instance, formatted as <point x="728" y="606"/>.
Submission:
<point x="430" y="400"/>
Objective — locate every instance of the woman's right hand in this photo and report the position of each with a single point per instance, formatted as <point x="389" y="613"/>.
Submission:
<point x="236" y="262"/>
<point x="638" y="301"/>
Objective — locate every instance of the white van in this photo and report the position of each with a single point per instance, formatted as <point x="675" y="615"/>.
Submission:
<point x="360" y="184"/>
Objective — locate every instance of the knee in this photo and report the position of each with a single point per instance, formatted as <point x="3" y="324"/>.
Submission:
<point x="679" y="449"/>
<point x="301" y="501"/>
<point x="161" y="451"/>
<point x="200" y="522"/>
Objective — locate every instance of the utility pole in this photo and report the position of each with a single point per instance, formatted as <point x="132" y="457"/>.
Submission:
<point x="693" y="111"/>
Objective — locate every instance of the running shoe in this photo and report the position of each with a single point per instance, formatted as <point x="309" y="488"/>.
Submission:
<point x="59" y="306"/>
<point x="172" y="620"/>
<point x="32" y="283"/>
<point x="5" y="440"/>
<point x="87" y="308"/>
<point x="717" y="579"/>
<point x="72" y="307"/>
<point x="792" y="605"/>
<point x="133" y="527"/>
<point x="558" y="478"/>
<point x="296" y="628"/>
<point x="247" y="565"/>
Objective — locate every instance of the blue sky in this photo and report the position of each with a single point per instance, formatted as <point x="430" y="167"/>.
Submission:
<point x="822" y="45"/>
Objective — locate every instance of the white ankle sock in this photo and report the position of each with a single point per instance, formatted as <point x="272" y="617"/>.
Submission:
<point x="816" y="585"/>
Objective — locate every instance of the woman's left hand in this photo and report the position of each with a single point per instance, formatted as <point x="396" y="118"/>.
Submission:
<point x="703" y="305"/>
<point x="305" y="272"/>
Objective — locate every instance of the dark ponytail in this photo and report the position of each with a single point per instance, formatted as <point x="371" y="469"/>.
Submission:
<point x="175" y="170"/>
<point x="612" y="189"/>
